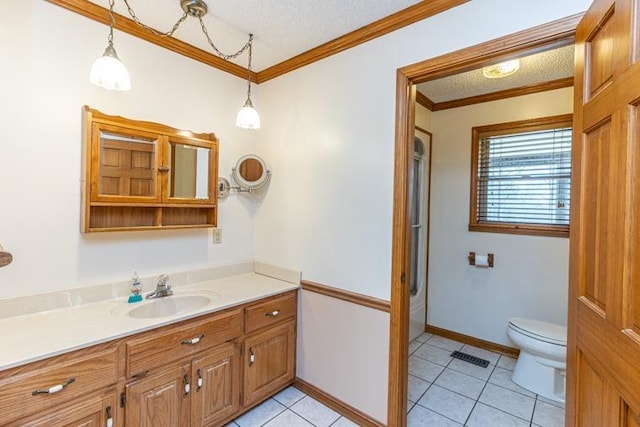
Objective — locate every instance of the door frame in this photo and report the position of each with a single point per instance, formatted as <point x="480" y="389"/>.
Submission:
<point x="543" y="37"/>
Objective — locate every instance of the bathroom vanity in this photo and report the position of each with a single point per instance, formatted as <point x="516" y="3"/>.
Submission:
<point x="202" y="368"/>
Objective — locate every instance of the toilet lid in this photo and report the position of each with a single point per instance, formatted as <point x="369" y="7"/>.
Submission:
<point x="543" y="331"/>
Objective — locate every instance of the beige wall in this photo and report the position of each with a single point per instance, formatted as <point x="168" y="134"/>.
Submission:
<point x="530" y="278"/>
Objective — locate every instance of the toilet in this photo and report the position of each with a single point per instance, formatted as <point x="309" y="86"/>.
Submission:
<point x="542" y="364"/>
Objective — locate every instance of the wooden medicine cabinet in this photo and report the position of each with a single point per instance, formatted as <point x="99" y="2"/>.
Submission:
<point x="146" y="176"/>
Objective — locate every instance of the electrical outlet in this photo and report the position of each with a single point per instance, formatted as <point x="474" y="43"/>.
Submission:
<point x="217" y="236"/>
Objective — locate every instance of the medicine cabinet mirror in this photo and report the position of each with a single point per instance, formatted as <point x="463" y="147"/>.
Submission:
<point x="145" y="176"/>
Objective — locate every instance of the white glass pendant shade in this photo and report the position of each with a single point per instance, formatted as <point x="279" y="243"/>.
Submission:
<point x="109" y="72"/>
<point x="248" y="117"/>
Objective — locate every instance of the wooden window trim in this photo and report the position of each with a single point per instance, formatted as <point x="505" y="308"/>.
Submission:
<point x="532" y="125"/>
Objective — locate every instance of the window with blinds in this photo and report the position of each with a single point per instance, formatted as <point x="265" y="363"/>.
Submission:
<point x="521" y="177"/>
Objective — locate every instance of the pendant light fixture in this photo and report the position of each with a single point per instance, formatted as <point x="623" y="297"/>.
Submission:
<point x="248" y="117"/>
<point x="110" y="73"/>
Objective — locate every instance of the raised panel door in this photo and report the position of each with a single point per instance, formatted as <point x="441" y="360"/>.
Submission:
<point x="269" y="362"/>
<point x="216" y="396"/>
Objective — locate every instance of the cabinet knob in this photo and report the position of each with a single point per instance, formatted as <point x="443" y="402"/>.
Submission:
<point x="187" y="386"/>
<point x="163" y="168"/>
<point x="252" y="357"/>
<point x="199" y="374"/>
<point x="109" y="417"/>
<point x="54" y="389"/>
<point x="274" y="313"/>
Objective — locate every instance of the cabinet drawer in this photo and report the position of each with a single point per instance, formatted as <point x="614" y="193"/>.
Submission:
<point x="271" y="311"/>
<point x="65" y="379"/>
<point x="156" y="350"/>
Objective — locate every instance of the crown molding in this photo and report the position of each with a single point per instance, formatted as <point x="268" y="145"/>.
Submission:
<point x="494" y="96"/>
<point x="393" y="22"/>
<point x="376" y="29"/>
<point x="124" y="24"/>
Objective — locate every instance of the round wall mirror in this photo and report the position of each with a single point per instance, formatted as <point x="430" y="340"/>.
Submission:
<point x="251" y="172"/>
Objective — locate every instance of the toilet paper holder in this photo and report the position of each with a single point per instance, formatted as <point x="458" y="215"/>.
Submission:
<point x="472" y="259"/>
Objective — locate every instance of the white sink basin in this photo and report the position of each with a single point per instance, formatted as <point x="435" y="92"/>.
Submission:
<point x="165" y="306"/>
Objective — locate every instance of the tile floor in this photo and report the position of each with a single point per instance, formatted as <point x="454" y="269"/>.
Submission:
<point x="291" y="408"/>
<point x="444" y="391"/>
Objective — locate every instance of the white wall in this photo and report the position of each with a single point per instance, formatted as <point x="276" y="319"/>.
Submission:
<point x="530" y="277"/>
<point x="46" y="53"/>
<point x="328" y="134"/>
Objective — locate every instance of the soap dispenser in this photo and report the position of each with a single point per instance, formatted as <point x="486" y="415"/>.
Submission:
<point x="136" y="288"/>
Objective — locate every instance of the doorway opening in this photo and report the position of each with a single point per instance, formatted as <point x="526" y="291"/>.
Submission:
<point x="555" y="34"/>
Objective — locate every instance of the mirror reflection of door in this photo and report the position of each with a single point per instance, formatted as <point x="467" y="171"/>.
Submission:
<point x="189" y="171"/>
<point x="251" y="170"/>
<point x="127" y="165"/>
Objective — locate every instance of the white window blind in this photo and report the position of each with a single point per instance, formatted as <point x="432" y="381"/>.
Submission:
<point x="525" y="177"/>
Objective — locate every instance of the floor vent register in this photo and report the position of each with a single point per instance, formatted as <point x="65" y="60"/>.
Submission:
<point x="470" y="359"/>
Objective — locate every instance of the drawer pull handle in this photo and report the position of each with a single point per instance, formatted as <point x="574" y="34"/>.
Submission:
<point x="54" y="389"/>
<point x="252" y="357"/>
<point x="187" y="386"/>
<point x="193" y="341"/>
<point x="199" y="374"/>
<point x="272" y="313"/>
<point x="109" y="417"/>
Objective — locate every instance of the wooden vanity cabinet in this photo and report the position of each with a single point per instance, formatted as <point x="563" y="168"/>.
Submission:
<point x="146" y="176"/>
<point x="270" y="347"/>
<point x="199" y="372"/>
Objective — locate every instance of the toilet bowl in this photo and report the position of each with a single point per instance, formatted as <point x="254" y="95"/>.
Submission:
<point x="541" y="366"/>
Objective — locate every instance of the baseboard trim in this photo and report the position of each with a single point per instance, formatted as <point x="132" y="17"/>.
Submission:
<point x="337" y="405"/>
<point x="477" y="342"/>
<point x="345" y="295"/>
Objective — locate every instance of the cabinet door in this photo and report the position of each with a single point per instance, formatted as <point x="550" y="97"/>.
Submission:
<point x="161" y="399"/>
<point x="94" y="411"/>
<point x="269" y="362"/>
<point x="192" y="171"/>
<point x="125" y="165"/>
<point x="216" y="393"/>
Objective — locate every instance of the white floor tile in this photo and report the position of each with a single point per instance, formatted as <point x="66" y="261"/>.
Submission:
<point x="260" y="414"/>
<point x="546" y="415"/>
<point x="417" y="387"/>
<point x="289" y="396"/>
<point x="344" y="422"/>
<point x="471" y="369"/>
<point x="507" y="362"/>
<point x="434" y="354"/>
<point x="315" y="412"/>
<point x="424" y="369"/>
<point x="445" y="343"/>
<point x="485" y="416"/>
<point x="452" y="405"/>
<point x="508" y="401"/>
<point x="414" y="345"/>
<point x="502" y="377"/>
<point x="289" y="419"/>
<point x="481" y="353"/>
<point x="460" y="383"/>
<point x="551" y="402"/>
<point x="423" y="337"/>
<point x="420" y="416"/>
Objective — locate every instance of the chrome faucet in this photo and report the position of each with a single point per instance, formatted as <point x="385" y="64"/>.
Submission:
<point x="162" y="289"/>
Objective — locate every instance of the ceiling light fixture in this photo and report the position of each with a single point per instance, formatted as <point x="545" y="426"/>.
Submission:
<point x="502" y="69"/>
<point x="110" y="73"/>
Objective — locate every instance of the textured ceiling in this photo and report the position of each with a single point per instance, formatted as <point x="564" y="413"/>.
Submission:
<point x="542" y="67"/>
<point x="282" y="28"/>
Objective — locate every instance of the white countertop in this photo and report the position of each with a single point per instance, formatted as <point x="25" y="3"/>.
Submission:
<point x="37" y="336"/>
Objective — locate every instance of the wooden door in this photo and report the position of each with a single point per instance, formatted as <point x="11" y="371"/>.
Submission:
<point x="161" y="399"/>
<point x="216" y="395"/>
<point x="603" y="378"/>
<point x="92" y="411"/>
<point x="269" y="362"/>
